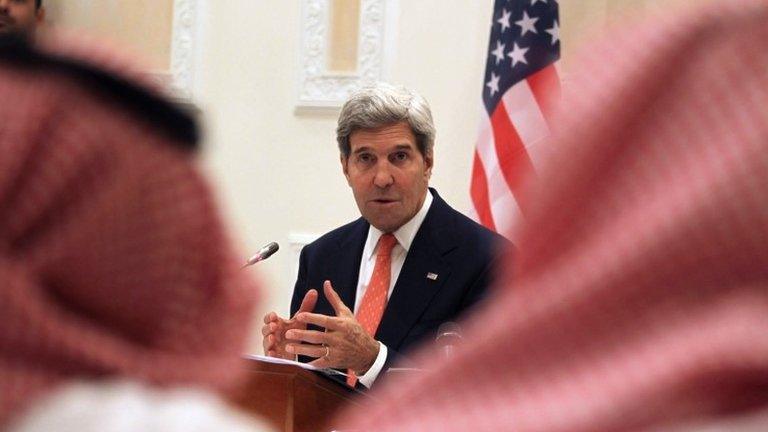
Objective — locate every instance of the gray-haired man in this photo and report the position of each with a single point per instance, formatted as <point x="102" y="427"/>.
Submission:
<point x="440" y="265"/>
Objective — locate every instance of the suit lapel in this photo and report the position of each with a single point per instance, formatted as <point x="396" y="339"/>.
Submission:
<point x="345" y="267"/>
<point x="423" y="274"/>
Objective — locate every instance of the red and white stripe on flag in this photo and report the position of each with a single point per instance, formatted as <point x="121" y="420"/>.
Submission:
<point x="520" y="90"/>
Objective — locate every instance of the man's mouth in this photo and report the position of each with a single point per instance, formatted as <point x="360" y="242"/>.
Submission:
<point x="384" y="201"/>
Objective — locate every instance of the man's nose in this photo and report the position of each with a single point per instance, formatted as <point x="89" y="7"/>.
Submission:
<point x="383" y="176"/>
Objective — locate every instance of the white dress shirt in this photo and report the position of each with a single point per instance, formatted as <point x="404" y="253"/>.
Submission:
<point x="404" y="235"/>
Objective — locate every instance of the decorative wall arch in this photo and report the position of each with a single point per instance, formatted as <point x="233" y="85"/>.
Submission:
<point x="320" y="88"/>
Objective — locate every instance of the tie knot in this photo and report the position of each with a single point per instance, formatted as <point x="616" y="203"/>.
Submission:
<point x="386" y="243"/>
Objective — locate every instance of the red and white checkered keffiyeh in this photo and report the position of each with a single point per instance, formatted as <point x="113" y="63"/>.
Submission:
<point x="639" y="294"/>
<point x="113" y="259"/>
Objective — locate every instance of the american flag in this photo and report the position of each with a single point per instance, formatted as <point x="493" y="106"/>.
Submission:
<point x="521" y="86"/>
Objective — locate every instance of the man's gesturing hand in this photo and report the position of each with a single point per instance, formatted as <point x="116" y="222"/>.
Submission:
<point x="346" y="343"/>
<point x="273" y="331"/>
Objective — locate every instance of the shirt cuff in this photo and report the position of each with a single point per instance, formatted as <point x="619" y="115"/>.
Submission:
<point x="369" y="377"/>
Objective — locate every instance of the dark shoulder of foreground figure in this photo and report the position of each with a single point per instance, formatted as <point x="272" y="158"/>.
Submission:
<point x="154" y="109"/>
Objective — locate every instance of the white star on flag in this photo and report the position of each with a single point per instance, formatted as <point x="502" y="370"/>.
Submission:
<point x="518" y="55"/>
<point x="555" y="32"/>
<point x="498" y="52"/>
<point x="527" y="24"/>
<point x="504" y="20"/>
<point x="493" y="84"/>
<point x="519" y="98"/>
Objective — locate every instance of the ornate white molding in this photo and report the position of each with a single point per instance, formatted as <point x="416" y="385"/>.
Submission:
<point x="185" y="22"/>
<point x="319" y="88"/>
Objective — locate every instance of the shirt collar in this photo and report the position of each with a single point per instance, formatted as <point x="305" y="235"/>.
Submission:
<point x="405" y="234"/>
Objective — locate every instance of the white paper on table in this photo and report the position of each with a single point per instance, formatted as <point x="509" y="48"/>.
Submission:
<point x="306" y="366"/>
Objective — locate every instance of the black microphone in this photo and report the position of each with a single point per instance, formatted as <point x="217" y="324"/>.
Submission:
<point x="448" y="338"/>
<point x="262" y="254"/>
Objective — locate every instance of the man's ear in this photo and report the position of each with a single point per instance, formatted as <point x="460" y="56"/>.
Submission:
<point x="344" y="168"/>
<point x="428" y="163"/>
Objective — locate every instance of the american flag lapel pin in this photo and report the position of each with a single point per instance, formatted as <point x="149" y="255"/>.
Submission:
<point x="432" y="276"/>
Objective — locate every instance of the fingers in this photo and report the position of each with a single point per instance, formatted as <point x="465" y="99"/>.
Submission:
<point x="308" y="302"/>
<point x="269" y="341"/>
<point x="270" y="317"/>
<point x="325" y="321"/>
<point x="309" y="336"/>
<point x="315" y="351"/>
<point x="335" y="300"/>
<point x="268" y="329"/>
<point x="269" y="346"/>
<point x="271" y="323"/>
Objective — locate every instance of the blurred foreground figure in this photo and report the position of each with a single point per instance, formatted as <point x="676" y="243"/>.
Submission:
<point x="640" y="297"/>
<point x="121" y="304"/>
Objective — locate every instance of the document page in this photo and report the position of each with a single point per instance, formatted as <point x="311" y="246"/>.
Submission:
<point x="306" y="366"/>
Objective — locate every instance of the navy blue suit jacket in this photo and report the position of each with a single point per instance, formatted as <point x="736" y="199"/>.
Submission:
<point x="459" y="251"/>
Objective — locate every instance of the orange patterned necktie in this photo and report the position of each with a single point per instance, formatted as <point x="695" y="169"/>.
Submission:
<point x="375" y="297"/>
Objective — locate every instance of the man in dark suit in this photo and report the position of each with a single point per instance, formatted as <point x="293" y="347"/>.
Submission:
<point x="409" y="264"/>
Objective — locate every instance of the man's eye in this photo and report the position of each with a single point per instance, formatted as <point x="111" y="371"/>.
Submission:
<point x="364" y="158"/>
<point x="400" y="156"/>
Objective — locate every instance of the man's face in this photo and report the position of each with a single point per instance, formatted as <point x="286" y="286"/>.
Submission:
<point x="19" y="16"/>
<point x="387" y="173"/>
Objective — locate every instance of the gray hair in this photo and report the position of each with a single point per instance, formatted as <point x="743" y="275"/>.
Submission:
<point x="381" y="104"/>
